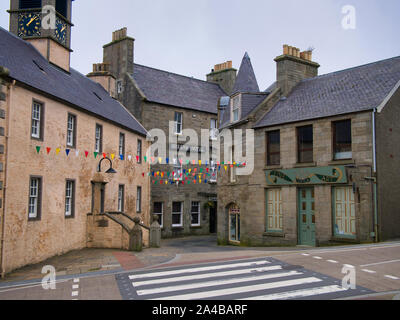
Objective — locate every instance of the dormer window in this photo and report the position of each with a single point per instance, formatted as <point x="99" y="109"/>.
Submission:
<point x="235" y="109"/>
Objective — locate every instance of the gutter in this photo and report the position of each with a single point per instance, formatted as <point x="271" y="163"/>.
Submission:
<point x="375" y="179"/>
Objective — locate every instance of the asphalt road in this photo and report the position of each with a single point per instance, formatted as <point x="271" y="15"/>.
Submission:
<point x="289" y="274"/>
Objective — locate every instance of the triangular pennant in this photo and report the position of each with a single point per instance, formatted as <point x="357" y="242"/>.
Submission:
<point x="104" y="155"/>
<point x="112" y="156"/>
<point x="48" y="150"/>
<point x="67" y="151"/>
<point x="38" y="149"/>
<point x="76" y="153"/>
<point x="58" y="150"/>
<point x="95" y="154"/>
<point x="121" y="157"/>
<point x="145" y="159"/>
<point x="86" y="153"/>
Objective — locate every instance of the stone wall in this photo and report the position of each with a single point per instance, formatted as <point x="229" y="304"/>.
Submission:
<point x="30" y="242"/>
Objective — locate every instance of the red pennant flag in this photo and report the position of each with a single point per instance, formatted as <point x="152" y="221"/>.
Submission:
<point x="48" y="150"/>
<point x="143" y="174"/>
<point x="104" y="155"/>
<point x="86" y="153"/>
<point x="137" y="158"/>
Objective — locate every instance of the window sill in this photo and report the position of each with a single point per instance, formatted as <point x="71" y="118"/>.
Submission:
<point x="277" y="167"/>
<point x="274" y="234"/>
<point x="195" y="227"/>
<point x="177" y="228"/>
<point x="343" y="161"/>
<point x="305" y="165"/>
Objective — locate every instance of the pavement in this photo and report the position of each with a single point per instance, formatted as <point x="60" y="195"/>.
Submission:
<point x="94" y="273"/>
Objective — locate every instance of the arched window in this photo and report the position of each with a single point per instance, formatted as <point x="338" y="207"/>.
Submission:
<point x="30" y="4"/>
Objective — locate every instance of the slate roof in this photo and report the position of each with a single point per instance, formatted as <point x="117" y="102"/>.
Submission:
<point x="28" y="66"/>
<point x="246" y="79"/>
<point x="347" y="91"/>
<point x="249" y="102"/>
<point x="176" y="90"/>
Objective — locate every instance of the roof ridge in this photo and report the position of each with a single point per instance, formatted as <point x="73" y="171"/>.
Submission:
<point x="351" y="68"/>
<point x="177" y="74"/>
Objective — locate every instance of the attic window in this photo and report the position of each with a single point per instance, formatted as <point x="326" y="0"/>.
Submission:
<point x="235" y="109"/>
<point x="98" y="97"/>
<point x="30" y="4"/>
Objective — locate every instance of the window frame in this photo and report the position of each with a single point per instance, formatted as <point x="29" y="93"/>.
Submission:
<point x="268" y="143"/>
<point x="138" y="199"/>
<point x="121" y="198"/>
<point x="177" y="213"/>
<point x="213" y="131"/>
<point x="100" y="150"/>
<point x="177" y="174"/>
<point x="299" y="151"/>
<point x="121" y="135"/>
<point x="198" y="213"/>
<point x="139" y="150"/>
<point x="72" y="197"/>
<point x="25" y="8"/>
<point x="40" y="128"/>
<point x="160" y="221"/>
<point x="334" y="142"/>
<point x="232" y="173"/>
<point x="176" y="123"/>
<point x="276" y="215"/>
<point x="237" y="108"/>
<point x="74" y="130"/>
<point x="38" y="204"/>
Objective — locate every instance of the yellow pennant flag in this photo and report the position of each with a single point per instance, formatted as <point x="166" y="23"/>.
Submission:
<point x="58" y="150"/>
<point x="112" y="156"/>
<point x="199" y="162"/>
<point x="226" y="168"/>
<point x="159" y="160"/>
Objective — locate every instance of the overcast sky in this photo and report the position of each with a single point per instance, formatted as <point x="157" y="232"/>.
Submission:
<point x="190" y="36"/>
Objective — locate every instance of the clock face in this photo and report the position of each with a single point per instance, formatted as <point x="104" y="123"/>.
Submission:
<point x="29" y="24"/>
<point x="61" y="31"/>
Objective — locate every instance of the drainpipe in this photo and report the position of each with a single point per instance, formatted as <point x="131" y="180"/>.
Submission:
<point x="375" y="180"/>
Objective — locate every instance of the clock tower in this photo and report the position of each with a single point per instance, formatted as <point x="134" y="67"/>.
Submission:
<point x="46" y="24"/>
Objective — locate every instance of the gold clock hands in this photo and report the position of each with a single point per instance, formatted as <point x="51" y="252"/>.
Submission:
<point x="33" y="19"/>
<point x="63" y="28"/>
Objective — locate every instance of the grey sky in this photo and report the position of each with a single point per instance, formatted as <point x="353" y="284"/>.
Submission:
<point x="190" y="36"/>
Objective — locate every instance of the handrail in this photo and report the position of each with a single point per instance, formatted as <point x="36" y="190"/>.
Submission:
<point x="128" y="217"/>
<point x="123" y="225"/>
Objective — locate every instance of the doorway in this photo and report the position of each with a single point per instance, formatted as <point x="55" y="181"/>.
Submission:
<point x="234" y="224"/>
<point x="306" y="205"/>
<point x="213" y="219"/>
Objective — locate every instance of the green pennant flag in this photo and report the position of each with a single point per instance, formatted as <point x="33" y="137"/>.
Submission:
<point x="96" y="154"/>
<point x="38" y="149"/>
<point x="145" y="159"/>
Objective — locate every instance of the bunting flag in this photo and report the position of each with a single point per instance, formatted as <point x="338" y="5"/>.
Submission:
<point x="112" y="156"/>
<point x="95" y="154"/>
<point x="104" y="155"/>
<point x="145" y="159"/>
<point x="38" y="149"/>
<point x="199" y="162"/>
<point x="167" y="160"/>
<point x="67" y="151"/>
<point x="86" y="153"/>
<point x="76" y="153"/>
<point x="58" y="150"/>
<point x="129" y="158"/>
<point x="48" y="150"/>
<point x="226" y="168"/>
<point x="121" y="157"/>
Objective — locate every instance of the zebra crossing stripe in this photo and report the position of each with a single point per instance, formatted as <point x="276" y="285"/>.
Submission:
<point x="236" y="290"/>
<point x="220" y="273"/>
<point x="194" y="270"/>
<point x="299" y="293"/>
<point x="216" y="283"/>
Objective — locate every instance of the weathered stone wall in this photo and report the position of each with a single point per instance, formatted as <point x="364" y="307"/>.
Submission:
<point x="225" y="78"/>
<point x="33" y="241"/>
<point x="249" y="192"/>
<point x="388" y="155"/>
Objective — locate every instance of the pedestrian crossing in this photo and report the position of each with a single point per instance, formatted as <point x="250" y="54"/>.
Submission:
<point x="254" y="279"/>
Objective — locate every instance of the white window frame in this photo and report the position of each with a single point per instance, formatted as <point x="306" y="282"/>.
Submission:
<point x="160" y="214"/>
<point x="121" y="147"/>
<point x="71" y="130"/>
<point x="121" y="197"/>
<point x="98" y="138"/>
<point x="37" y="109"/>
<point x="213" y="129"/>
<point x="138" y="199"/>
<point x="195" y="213"/>
<point x="34" y="194"/>
<point x="177" y="213"/>
<point x="120" y="86"/>
<point x="178" y="119"/>
<point x="236" y="108"/>
<point x="69" y="198"/>
<point x="139" y="150"/>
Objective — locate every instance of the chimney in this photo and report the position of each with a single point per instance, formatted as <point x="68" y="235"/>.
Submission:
<point x="119" y="53"/>
<point x="102" y="75"/>
<point x="294" y="66"/>
<point x="224" y="75"/>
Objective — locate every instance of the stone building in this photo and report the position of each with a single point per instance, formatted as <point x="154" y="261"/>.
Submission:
<point x="326" y="165"/>
<point x="165" y="100"/>
<point x="56" y="128"/>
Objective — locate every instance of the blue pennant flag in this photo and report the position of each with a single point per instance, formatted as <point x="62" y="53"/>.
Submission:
<point x="67" y="152"/>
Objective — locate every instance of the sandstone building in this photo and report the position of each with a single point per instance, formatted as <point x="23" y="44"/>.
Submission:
<point x="158" y="98"/>
<point x="56" y="127"/>
<point x="326" y="161"/>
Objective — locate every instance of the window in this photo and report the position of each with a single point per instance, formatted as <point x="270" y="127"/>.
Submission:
<point x="70" y="199"/>
<point x="273" y="148"/>
<point x="139" y="199"/>
<point x="342" y="140"/>
<point x="213" y="170"/>
<point x="177" y="212"/>
<point x="236" y="108"/>
<point x="195" y="213"/>
<point x="119" y="86"/>
<point x="158" y="210"/>
<point x="305" y="144"/>
<point x="139" y="150"/>
<point x="30" y="4"/>
<point x="98" y="139"/>
<point x="37" y="120"/>
<point x="213" y="130"/>
<point x="62" y="7"/>
<point x="71" y="131"/>
<point x="232" y="169"/>
<point x="344" y="212"/>
<point x="178" y="122"/>
<point x="274" y="210"/>
<point x="35" y="195"/>
<point x="121" y="148"/>
<point x="121" y="197"/>
<point x="178" y="172"/>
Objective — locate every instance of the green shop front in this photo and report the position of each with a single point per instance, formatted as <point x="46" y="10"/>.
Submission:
<point x="311" y="188"/>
